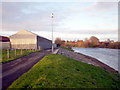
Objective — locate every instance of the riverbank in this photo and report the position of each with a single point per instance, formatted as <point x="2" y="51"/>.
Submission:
<point x="58" y="71"/>
<point x="99" y="47"/>
<point x="85" y="59"/>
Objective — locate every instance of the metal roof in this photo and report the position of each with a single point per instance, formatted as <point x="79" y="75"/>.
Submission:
<point x="4" y="39"/>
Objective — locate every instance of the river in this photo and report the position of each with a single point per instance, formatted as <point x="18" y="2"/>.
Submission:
<point x="105" y="55"/>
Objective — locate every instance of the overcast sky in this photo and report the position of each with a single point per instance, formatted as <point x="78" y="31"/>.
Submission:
<point x="72" y="21"/>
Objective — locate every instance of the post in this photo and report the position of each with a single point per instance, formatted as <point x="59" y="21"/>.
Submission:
<point x="8" y="54"/>
<point x="52" y="32"/>
<point x="21" y="51"/>
<point x="21" y="45"/>
<point x="39" y="47"/>
<point x="26" y="50"/>
<point x="29" y="47"/>
<point x="15" y="53"/>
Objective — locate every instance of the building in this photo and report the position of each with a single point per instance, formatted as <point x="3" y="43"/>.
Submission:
<point x="28" y="40"/>
<point x="4" y="42"/>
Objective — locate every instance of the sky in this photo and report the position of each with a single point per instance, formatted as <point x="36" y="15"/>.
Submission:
<point x="72" y="20"/>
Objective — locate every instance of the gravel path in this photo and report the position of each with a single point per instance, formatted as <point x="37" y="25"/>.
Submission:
<point x="85" y="59"/>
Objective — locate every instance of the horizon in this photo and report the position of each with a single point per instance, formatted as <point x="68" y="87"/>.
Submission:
<point x="72" y="21"/>
<point x="67" y="40"/>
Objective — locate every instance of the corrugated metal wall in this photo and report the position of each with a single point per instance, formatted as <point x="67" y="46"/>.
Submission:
<point x="43" y="43"/>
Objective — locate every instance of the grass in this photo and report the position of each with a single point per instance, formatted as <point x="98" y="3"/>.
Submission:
<point x="67" y="48"/>
<point x="12" y="54"/>
<point x="57" y="71"/>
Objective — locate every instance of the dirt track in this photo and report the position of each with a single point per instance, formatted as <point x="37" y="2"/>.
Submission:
<point x="12" y="70"/>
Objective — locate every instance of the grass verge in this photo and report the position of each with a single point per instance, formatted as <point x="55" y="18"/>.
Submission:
<point x="67" y="48"/>
<point x="57" y="71"/>
<point x="5" y="59"/>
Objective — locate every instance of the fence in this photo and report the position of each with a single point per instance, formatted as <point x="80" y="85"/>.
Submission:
<point x="9" y="54"/>
<point x="18" y="52"/>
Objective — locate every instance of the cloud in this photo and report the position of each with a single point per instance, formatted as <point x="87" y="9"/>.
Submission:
<point x="34" y="16"/>
<point x="100" y="7"/>
<point x="60" y="0"/>
<point x="75" y="36"/>
<point x="88" y="31"/>
<point x="0" y="15"/>
<point x="106" y="6"/>
<point x="70" y="19"/>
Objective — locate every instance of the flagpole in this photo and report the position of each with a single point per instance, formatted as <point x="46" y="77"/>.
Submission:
<point x="52" y="31"/>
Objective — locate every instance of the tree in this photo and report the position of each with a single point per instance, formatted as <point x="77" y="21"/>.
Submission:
<point x="86" y="43"/>
<point x="108" y="40"/>
<point x="58" y="41"/>
<point x="94" y="41"/>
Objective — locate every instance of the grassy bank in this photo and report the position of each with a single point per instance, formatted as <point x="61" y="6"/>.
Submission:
<point x="67" y="48"/>
<point x="57" y="71"/>
<point x="13" y="56"/>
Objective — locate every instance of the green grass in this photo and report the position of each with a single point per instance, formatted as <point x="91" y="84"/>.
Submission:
<point x="12" y="54"/>
<point x="67" y="48"/>
<point x="57" y="71"/>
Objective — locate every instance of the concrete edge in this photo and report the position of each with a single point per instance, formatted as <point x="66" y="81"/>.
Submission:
<point x="56" y="51"/>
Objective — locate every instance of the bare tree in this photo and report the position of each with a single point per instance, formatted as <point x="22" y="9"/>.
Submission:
<point x="58" y="41"/>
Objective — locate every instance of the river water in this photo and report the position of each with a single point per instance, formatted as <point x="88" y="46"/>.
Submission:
<point x="105" y="55"/>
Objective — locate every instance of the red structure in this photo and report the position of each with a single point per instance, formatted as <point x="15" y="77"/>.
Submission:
<point x="4" y="39"/>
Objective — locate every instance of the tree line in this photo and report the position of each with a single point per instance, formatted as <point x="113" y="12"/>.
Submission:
<point x="92" y="42"/>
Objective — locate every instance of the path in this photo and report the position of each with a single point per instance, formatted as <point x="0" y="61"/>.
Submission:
<point x="85" y="59"/>
<point x="12" y="70"/>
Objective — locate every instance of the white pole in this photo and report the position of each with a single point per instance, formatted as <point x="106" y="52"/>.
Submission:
<point x="8" y="54"/>
<point x="52" y="32"/>
<point x="21" y="51"/>
<point x="15" y="52"/>
<point x="15" y="49"/>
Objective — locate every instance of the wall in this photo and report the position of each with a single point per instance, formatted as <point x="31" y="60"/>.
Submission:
<point x="23" y="41"/>
<point x="43" y="43"/>
<point x="4" y="45"/>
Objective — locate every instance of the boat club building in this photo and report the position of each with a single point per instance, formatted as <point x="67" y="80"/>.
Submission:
<point x="28" y="40"/>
